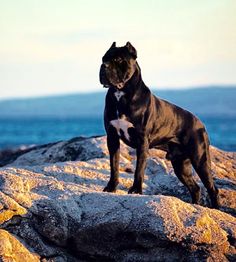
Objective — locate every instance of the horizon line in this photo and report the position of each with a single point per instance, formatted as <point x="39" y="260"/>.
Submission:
<point x="161" y="88"/>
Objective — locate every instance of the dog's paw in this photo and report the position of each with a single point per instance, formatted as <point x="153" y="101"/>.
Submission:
<point x="135" y="190"/>
<point x="215" y="200"/>
<point x="111" y="187"/>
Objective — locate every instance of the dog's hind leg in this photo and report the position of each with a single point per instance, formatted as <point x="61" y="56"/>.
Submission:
<point x="183" y="170"/>
<point x="200" y="158"/>
<point x="113" y="144"/>
<point x="202" y="165"/>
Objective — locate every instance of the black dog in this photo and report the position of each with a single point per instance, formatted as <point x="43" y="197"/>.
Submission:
<point x="143" y="121"/>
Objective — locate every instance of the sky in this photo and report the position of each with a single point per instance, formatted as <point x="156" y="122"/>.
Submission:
<point x="52" y="47"/>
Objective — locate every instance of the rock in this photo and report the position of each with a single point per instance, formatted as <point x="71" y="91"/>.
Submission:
<point x="9" y="155"/>
<point x="9" y="208"/>
<point x="12" y="250"/>
<point x="78" y="148"/>
<point x="56" y="210"/>
<point x="157" y="228"/>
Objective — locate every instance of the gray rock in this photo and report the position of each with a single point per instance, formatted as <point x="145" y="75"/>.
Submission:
<point x="52" y="210"/>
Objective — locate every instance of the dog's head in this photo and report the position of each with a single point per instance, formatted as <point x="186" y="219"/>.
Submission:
<point x="118" y="65"/>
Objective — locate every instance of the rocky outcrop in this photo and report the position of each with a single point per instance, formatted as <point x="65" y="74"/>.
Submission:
<point x="12" y="250"/>
<point x="52" y="210"/>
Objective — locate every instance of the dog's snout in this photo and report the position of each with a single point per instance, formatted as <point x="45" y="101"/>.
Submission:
<point x="103" y="77"/>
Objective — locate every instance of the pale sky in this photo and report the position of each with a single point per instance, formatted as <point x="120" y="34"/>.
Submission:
<point x="55" y="46"/>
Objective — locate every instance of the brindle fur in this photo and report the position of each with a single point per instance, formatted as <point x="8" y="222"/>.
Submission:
<point x="157" y="124"/>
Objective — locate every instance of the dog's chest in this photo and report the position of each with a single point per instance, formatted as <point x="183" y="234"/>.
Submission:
<point x="121" y="104"/>
<point x="122" y="123"/>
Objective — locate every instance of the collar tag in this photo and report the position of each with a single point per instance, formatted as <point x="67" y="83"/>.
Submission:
<point x="118" y="94"/>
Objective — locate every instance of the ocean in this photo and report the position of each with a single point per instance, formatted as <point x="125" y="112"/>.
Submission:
<point x="30" y="131"/>
<point x="38" y="121"/>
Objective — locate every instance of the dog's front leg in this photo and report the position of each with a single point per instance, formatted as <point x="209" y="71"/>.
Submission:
<point x="142" y="152"/>
<point x="113" y="144"/>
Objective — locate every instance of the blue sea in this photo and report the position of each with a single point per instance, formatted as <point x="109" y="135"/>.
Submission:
<point x="35" y="121"/>
<point x="34" y="131"/>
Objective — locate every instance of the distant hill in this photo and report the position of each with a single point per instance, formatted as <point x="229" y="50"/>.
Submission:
<point x="209" y="101"/>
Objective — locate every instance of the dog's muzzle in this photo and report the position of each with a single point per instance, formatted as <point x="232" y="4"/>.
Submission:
<point x="103" y="77"/>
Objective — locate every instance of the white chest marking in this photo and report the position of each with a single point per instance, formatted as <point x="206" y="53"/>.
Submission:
<point x="122" y="124"/>
<point x="118" y="94"/>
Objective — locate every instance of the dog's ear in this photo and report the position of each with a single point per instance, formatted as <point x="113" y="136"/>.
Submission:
<point x="131" y="49"/>
<point x="113" y="45"/>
